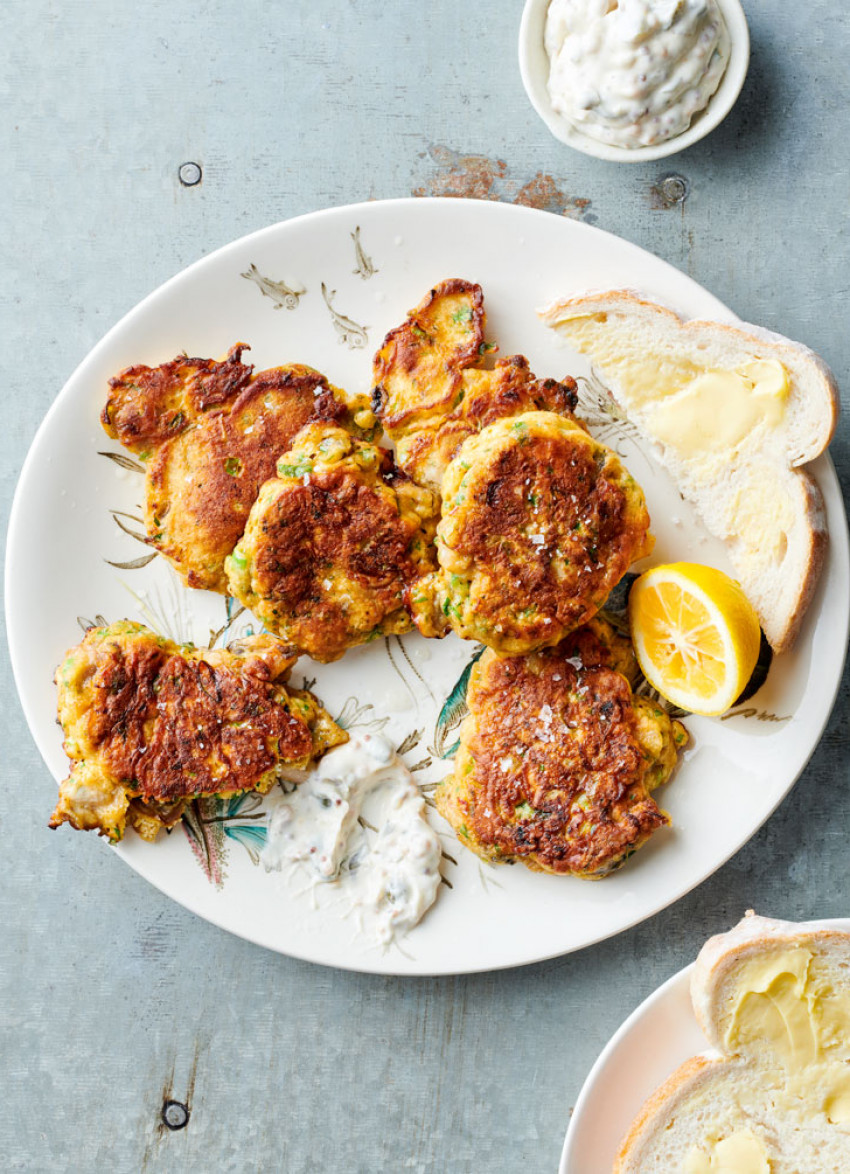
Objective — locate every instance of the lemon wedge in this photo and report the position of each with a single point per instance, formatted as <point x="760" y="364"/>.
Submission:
<point x="695" y="634"/>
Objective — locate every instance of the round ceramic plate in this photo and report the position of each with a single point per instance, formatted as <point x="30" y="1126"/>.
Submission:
<point x="323" y="290"/>
<point x="657" y="1037"/>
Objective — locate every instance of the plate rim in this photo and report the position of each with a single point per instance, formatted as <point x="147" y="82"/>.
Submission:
<point x="663" y="991"/>
<point x="483" y="208"/>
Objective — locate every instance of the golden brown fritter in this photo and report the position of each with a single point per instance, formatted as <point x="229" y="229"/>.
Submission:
<point x="431" y="391"/>
<point x="508" y="390"/>
<point x="331" y="546"/>
<point x="148" y="405"/>
<point x="210" y="433"/>
<point x="539" y="522"/>
<point x="557" y="758"/>
<point x="417" y="371"/>
<point x="150" y="725"/>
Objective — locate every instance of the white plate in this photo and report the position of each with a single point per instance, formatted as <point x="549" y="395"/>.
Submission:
<point x="61" y="532"/>
<point x="657" y="1037"/>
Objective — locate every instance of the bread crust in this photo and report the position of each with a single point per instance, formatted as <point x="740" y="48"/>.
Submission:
<point x="781" y="622"/>
<point x="662" y="1103"/>
<point x="818" y="545"/>
<point x="721" y="952"/>
<point x="752" y="935"/>
<point x="626" y="299"/>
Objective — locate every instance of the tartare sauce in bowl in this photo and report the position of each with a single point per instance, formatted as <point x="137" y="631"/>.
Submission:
<point x="633" y="80"/>
<point x="634" y="73"/>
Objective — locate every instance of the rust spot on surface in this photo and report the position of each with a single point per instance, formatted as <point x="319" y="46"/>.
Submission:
<point x="542" y="192"/>
<point x="467" y="176"/>
<point x="193" y="1075"/>
<point x="479" y="177"/>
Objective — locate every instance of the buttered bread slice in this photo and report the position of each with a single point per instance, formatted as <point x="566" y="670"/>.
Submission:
<point x="773" y="1096"/>
<point x="735" y="414"/>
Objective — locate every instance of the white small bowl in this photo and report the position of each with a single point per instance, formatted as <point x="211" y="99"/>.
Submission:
<point x="534" y="67"/>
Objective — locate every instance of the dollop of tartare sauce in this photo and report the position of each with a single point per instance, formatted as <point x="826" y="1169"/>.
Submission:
<point x="634" y="73"/>
<point x="389" y="875"/>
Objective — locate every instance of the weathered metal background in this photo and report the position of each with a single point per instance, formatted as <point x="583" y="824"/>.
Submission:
<point x="114" y="1000"/>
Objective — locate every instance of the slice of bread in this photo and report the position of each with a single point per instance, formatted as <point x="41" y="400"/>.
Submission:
<point x="772" y="1096"/>
<point x="734" y="414"/>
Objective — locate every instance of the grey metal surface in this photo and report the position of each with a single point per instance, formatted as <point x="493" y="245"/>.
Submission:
<point x="114" y="999"/>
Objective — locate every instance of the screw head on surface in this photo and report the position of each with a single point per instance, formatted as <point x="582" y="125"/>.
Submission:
<point x="674" y="189"/>
<point x="175" y="1115"/>
<point x="190" y="174"/>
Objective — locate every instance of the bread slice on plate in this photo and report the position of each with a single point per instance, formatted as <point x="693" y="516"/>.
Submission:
<point x="734" y="413"/>
<point x="772" y="1096"/>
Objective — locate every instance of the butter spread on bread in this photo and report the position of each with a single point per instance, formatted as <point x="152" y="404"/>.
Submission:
<point x="735" y="414"/>
<point x="773" y="1094"/>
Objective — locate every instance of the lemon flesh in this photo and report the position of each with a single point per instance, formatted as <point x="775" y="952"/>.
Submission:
<point x="695" y="634"/>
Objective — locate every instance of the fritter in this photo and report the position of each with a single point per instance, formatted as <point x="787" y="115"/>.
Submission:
<point x="150" y="725"/>
<point x="431" y="391"/>
<point x="210" y="434"/>
<point x="332" y="545"/>
<point x="418" y="368"/>
<point x="539" y="522"/>
<point x="557" y="758"/>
